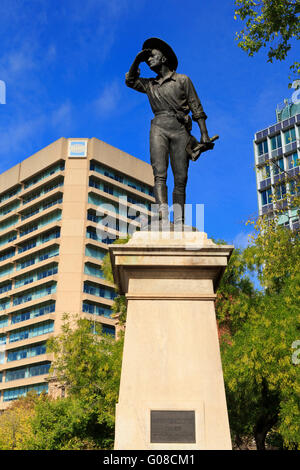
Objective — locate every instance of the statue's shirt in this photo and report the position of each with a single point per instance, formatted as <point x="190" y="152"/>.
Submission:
<point x="174" y="92"/>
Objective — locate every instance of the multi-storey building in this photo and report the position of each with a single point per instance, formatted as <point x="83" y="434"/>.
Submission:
<point x="52" y="246"/>
<point x="277" y="160"/>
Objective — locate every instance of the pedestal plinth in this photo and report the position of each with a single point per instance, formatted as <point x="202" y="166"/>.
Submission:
<point x="172" y="391"/>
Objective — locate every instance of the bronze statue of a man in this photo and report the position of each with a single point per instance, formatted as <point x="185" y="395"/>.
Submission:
<point x="172" y="96"/>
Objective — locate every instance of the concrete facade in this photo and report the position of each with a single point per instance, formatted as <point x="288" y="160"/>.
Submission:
<point x="51" y="248"/>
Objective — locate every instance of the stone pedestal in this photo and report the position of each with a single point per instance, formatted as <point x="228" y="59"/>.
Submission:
<point x="172" y="391"/>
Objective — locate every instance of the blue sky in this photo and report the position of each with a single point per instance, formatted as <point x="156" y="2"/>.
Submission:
<point x="64" y="61"/>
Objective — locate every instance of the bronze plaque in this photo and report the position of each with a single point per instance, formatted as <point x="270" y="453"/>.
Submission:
<point x="168" y="426"/>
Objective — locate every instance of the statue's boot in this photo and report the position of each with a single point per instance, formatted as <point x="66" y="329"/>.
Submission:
<point x="178" y="209"/>
<point x="161" y="197"/>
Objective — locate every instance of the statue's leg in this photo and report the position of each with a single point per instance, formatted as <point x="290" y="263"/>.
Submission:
<point x="180" y="164"/>
<point x="159" y="152"/>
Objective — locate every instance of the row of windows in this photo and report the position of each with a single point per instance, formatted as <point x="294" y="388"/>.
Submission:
<point x="5" y="287"/>
<point x="27" y="351"/>
<point x="50" y="171"/>
<point x="276" y="141"/>
<point x="9" y="237"/>
<point x="111" y="206"/>
<point x="31" y="331"/>
<point x="108" y="221"/>
<point x="48" y="219"/>
<point x="94" y="252"/>
<point x="121" y="178"/>
<point x="35" y="210"/>
<point x="7" y="254"/>
<point x="291" y="161"/>
<point x="60" y="166"/>
<point x="4" y="304"/>
<point x="13" y="235"/>
<point x="9" y="222"/>
<point x="15" y="219"/>
<point x="26" y="372"/>
<point x="95" y="309"/>
<point x="93" y="270"/>
<point x="94" y="183"/>
<point x="33" y="312"/>
<point x="35" y="293"/>
<point x="46" y="237"/>
<point x="36" y="258"/>
<point x="91" y="233"/>
<point x="31" y="294"/>
<point x="3" y="321"/>
<point x="99" y="291"/>
<point x="9" y="194"/>
<point x="5" y="270"/>
<point x="280" y="192"/>
<point x="9" y="208"/>
<point x="46" y="189"/>
<point x="14" y="393"/>
<point x="13" y="192"/>
<point x="36" y="275"/>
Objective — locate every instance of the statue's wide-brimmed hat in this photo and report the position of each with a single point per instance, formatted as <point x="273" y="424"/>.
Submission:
<point x="162" y="46"/>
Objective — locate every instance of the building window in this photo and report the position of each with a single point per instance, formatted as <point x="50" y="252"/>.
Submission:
<point x="96" y="309"/>
<point x="266" y="197"/>
<point x="31" y="332"/>
<point x="280" y="191"/>
<point x="264" y="172"/>
<point x="293" y="160"/>
<point x="289" y="136"/>
<point x="3" y="321"/>
<point x="27" y="351"/>
<point x="262" y="147"/>
<point x="278" y="166"/>
<point x="99" y="291"/>
<point x="14" y="393"/>
<point x="276" y="142"/>
<point x="108" y="330"/>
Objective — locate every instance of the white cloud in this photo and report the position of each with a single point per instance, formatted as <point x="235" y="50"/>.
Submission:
<point x="241" y="240"/>
<point x="109" y="99"/>
<point x="62" y="116"/>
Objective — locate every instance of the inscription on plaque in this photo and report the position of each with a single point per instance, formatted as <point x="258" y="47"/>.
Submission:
<point x="169" y="426"/>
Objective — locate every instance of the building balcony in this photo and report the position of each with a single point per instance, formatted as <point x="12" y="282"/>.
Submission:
<point x="23" y="382"/>
<point x="26" y="361"/>
<point x="97" y="299"/>
<point x="31" y="303"/>
<point x="59" y="175"/>
<point x="267" y="209"/>
<point x="262" y="159"/>
<point x="265" y="184"/>
<point x="126" y="188"/>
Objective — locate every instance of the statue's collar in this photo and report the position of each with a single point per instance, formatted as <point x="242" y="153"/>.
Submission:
<point x="169" y="76"/>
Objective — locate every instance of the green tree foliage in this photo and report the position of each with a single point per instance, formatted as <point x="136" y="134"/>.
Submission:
<point x="236" y="296"/>
<point x="269" y="22"/>
<point x="88" y="364"/>
<point x="262" y="382"/>
<point x="15" y="423"/>
<point x="65" y="424"/>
